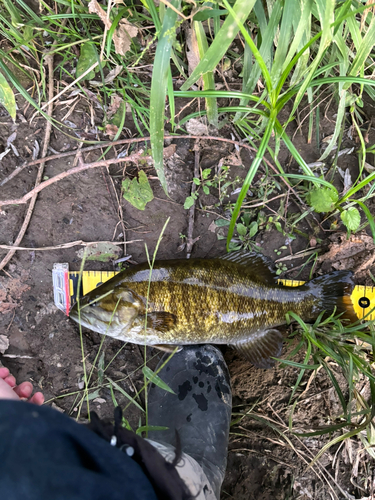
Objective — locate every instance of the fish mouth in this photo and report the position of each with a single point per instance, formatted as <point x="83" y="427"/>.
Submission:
<point x="88" y="322"/>
<point x="93" y="318"/>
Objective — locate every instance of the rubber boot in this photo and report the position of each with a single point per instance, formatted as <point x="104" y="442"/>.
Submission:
<point x="200" y="410"/>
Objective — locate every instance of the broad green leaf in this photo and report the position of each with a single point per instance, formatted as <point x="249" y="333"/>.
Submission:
<point x="138" y="192"/>
<point x="7" y="97"/>
<point x="253" y="229"/>
<point x="323" y="199"/>
<point x="159" y="85"/>
<point x="101" y="252"/>
<point x="189" y="202"/>
<point x="351" y="218"/>
<point x="86" y="59"/>
<point x="222" y="41"/>
<point x="221" y="222"/>
<point x="155" y="379"/>
<point x="241" y="229"/>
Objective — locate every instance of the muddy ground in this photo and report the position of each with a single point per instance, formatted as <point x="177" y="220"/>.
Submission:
<point x="265" y="460"/>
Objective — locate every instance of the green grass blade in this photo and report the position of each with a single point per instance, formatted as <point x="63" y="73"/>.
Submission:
<point x="150" y="428"/>
<point x="326" y="14"/>
<point x="338" y="122"/>
<point x="250" y="174"/>
<point x="368" y="215"/>
<point x="356" y="188"/>
<point x="222" y="41"/>
<point x="208" y="78"/>
<point x="155" y="379"/>
<point x="124" y="393"/>
<point x="364" y="49"/>
<point x="219" y="93"/>
<point x="291" y="8"/>
<point x="307" y="170"/>
<point x="313" y="179"/>
<point x="266" y="49"/>
<point x="303" y="12"/>
<point x="159" y="89"/>
<point x="336" y="386"/>
<point x="7" y="97"/>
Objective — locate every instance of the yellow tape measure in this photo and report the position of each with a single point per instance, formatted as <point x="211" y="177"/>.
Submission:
<point x="65" y="287"/>
<point x="362" y="297"/>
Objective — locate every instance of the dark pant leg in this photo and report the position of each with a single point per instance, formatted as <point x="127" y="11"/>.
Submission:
<point x="45" y="455"/>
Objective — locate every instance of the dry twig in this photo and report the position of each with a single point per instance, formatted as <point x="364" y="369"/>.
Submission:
<point x="134" y="140"/>
<point x="67" y="245"/>
<point x="190" y="242"/>
<point x="7" y="258"/>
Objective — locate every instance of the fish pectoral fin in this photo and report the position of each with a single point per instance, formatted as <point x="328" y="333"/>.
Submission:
<point x="160" y="321"/>
<point x="261" y="347"/>
<point x="167" y="348"/>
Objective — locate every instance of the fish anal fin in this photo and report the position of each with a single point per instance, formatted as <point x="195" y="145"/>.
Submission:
<point x="261" y="347"/>
<point x="161" y="321"/>
<point x="255" y="265"/>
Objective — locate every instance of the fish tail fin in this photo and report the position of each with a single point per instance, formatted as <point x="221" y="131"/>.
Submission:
<point x="335" y="291"/>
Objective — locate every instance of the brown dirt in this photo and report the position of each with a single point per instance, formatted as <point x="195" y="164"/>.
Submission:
<point x="265" y="460"/>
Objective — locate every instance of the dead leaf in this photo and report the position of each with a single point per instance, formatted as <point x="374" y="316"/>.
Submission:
<point x="212" y="227"/>
<point x="11" y="138"/>
<point x="111" y="130"/>
<point x="122" y="37"/>
<point x="193" y="53"/>
<point x="115" y="104"/>
<point x="169" y="151"/>
<point x="99" y="400"/>
<point x="113" y="73"/>
<point x="4" y="343"/>
<point x="196" y="127"/>
<point x="233" y="159"/>
<point x="96" y="8"/>
<point x="54" y="405"/>
<point x="347" y="179"/>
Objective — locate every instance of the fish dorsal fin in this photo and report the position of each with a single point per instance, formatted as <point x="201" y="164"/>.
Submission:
<point x="261" y="347"/>
<point x="256" y="266"/>
<point x="160" y="321"/>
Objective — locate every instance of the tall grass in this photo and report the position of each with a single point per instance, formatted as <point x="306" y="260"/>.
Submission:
<point x="293" y="50"/>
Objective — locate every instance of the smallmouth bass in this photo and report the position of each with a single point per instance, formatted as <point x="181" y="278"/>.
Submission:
<point x="232" y="300"/>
